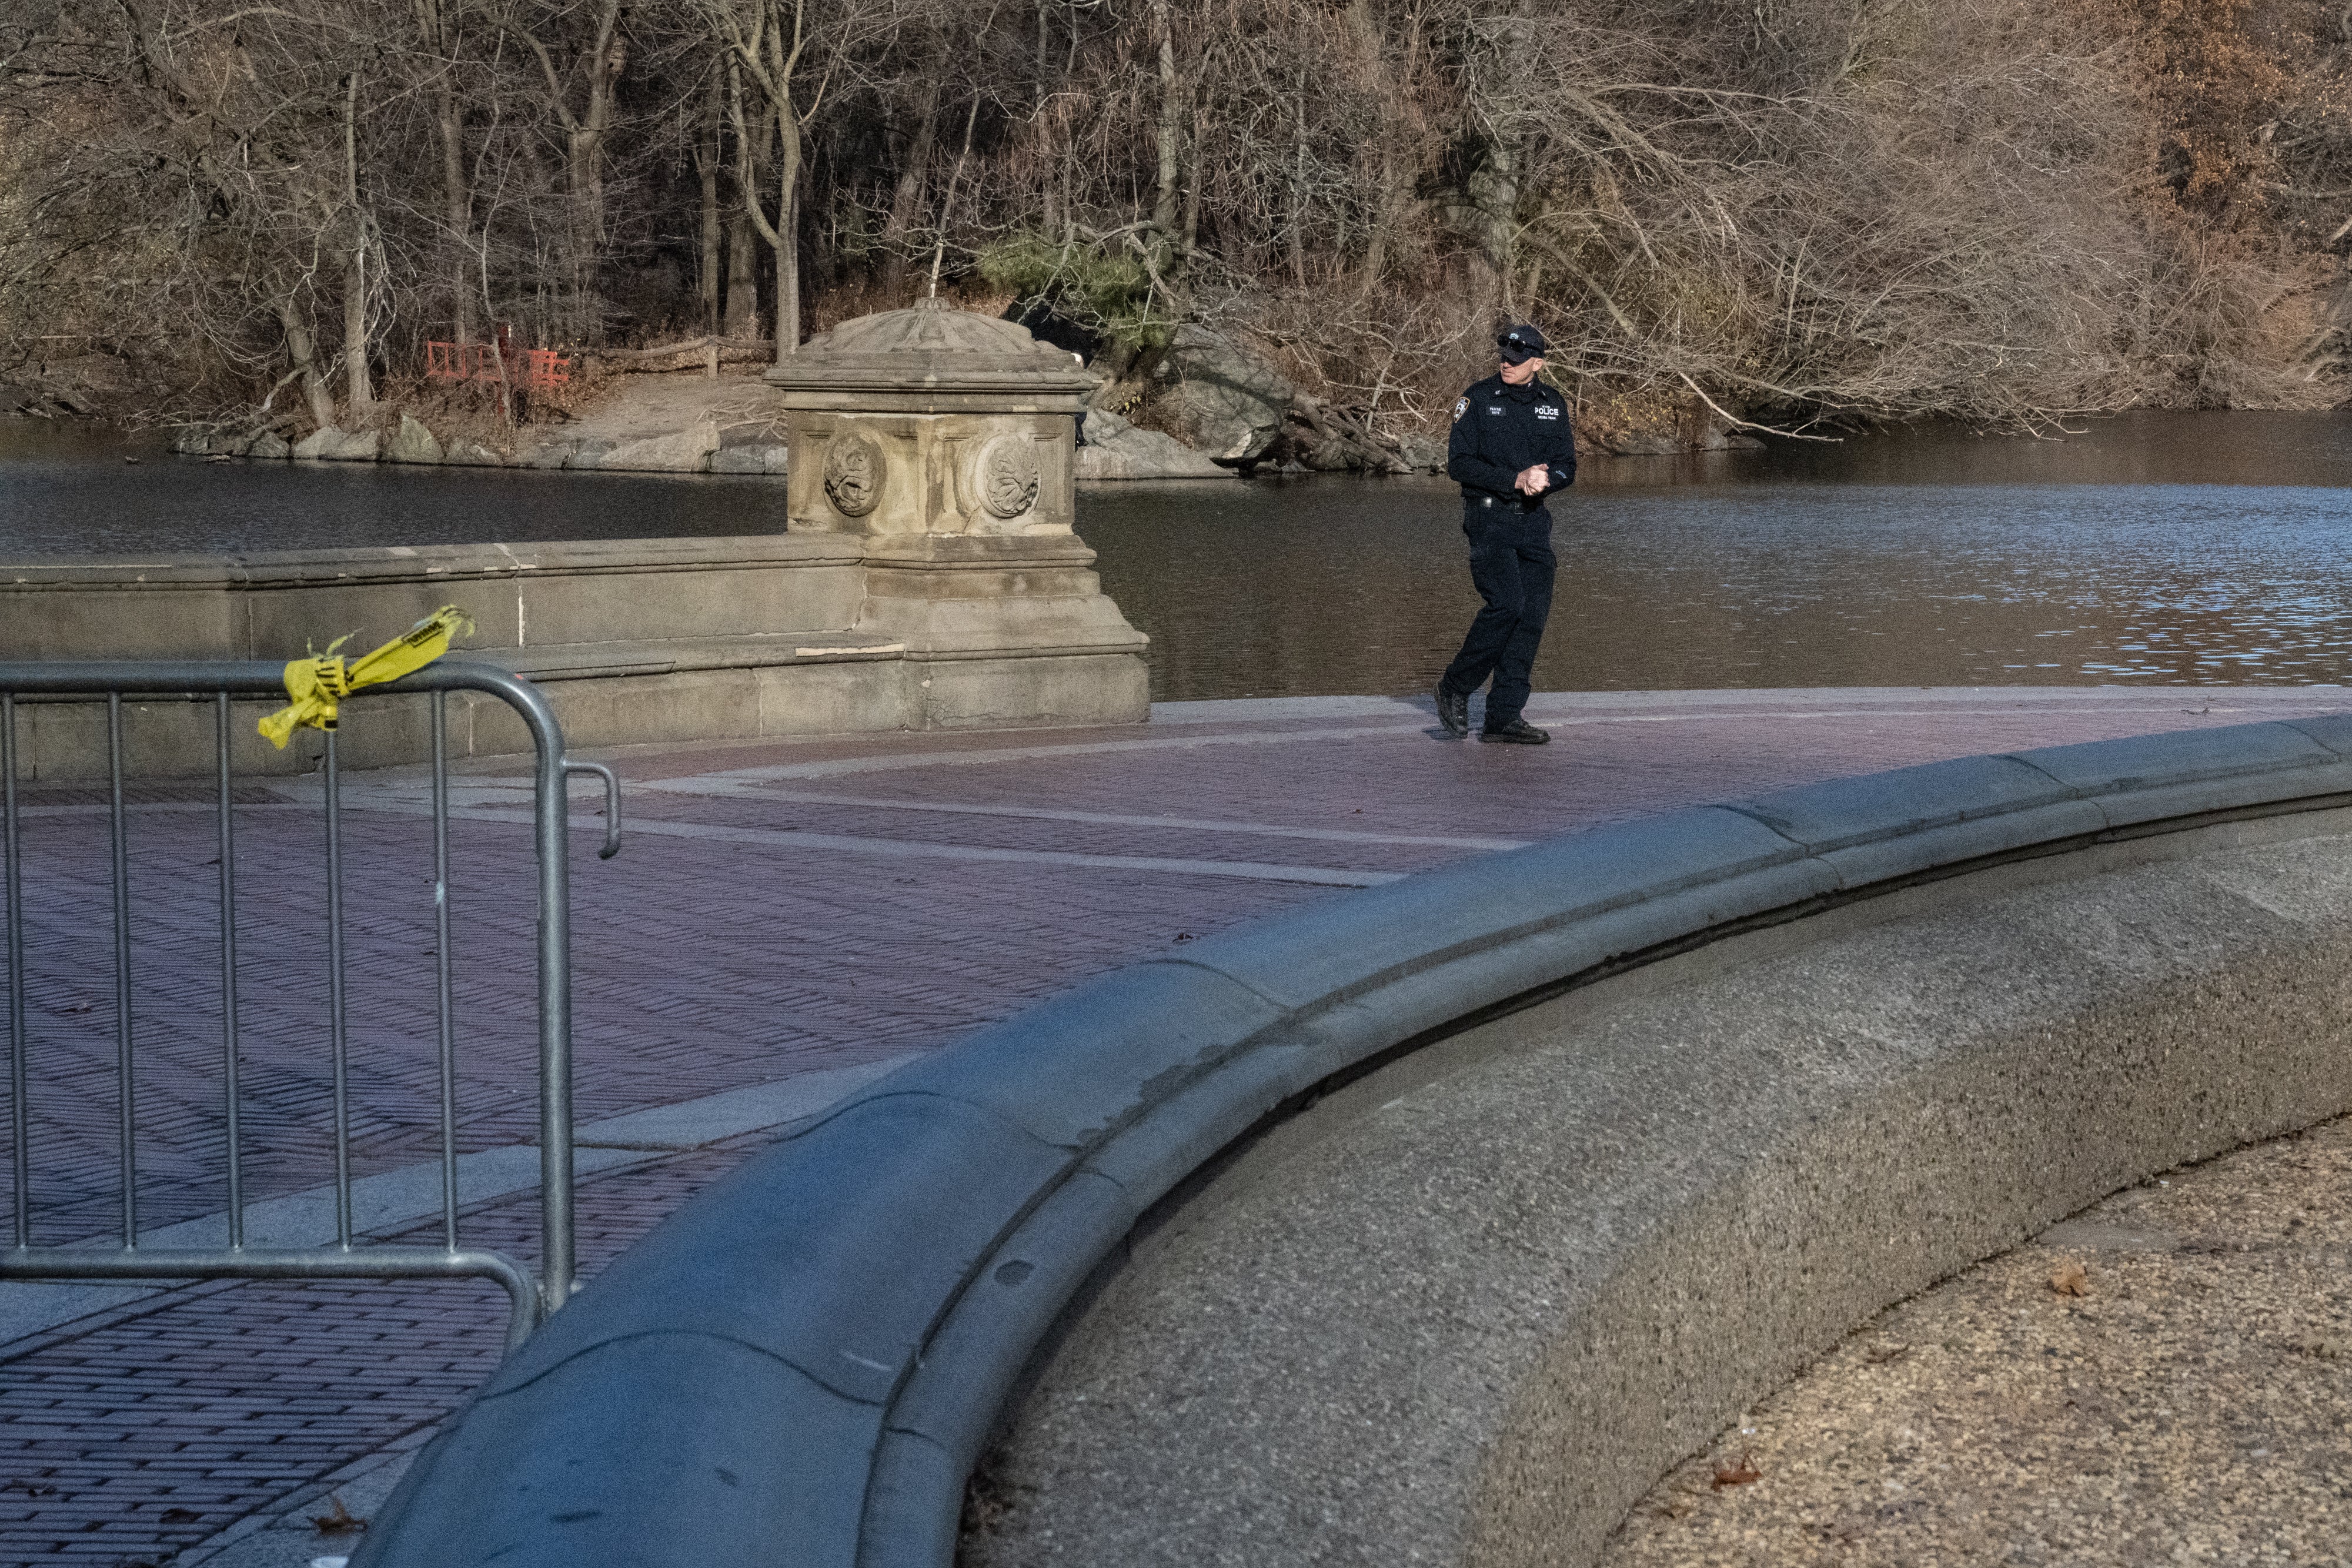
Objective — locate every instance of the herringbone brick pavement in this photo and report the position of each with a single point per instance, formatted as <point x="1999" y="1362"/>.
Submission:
<point x="779" y="907"/>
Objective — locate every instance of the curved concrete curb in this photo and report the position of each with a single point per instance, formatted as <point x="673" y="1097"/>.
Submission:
<point x="806" y="1360"/>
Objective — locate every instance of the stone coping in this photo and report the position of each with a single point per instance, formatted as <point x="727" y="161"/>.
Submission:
<point x="456" y="563"/>
<point x="683" y="655"/>
<point x="817" y="1349"/>
<point x="403" y="563"/>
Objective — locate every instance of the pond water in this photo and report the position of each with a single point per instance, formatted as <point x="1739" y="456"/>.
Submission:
<point x="2164" y="547"/>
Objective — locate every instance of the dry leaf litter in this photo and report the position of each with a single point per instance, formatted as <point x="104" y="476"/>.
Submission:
<point x="2165" y="1378"/>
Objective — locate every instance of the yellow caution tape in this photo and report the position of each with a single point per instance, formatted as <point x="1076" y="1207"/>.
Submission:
<point x="318" y="682"/>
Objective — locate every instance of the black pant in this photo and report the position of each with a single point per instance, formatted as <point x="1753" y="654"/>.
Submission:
<point x="1511" y="566"/>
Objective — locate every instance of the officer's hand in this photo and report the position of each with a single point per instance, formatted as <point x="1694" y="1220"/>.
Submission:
<point x="1534" y="479"/>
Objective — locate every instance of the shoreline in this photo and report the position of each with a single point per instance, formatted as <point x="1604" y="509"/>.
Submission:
<point x="691" y="422"/>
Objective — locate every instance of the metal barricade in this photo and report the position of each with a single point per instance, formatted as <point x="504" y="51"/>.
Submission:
<point x="220" y="683"/>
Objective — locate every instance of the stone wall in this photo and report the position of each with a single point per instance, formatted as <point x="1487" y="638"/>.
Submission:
<point x="637" y="641"/>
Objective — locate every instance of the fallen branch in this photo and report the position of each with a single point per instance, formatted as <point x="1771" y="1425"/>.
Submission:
<point x="726" y="346"/>
<point x="1749" y="423"/>
<point x="1337" y="425"/>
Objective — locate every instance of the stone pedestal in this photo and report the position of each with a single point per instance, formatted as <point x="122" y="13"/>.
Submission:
<point x="945" y="442"/>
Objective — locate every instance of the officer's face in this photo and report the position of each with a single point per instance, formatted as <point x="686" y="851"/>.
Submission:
<point x="1523" y="372"/>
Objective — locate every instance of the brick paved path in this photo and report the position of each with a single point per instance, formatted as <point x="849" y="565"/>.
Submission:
<point x="779" y="908"/>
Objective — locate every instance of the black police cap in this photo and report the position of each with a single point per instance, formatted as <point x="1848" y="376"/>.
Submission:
<point x="1520" y="344"/>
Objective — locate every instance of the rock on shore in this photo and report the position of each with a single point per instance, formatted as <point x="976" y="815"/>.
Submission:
<point x="1112" y="448"/>
<point x="328" y="444"/>
<point x="1224" y="400"/>
<point x="682" y="423"/>
<point x="411" y="443"/>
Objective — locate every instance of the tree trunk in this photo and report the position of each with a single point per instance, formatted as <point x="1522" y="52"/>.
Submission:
<point x="1501" y="205"/>
<point x="584" y="173"/>
<point x="355" y="312"/>
<point x="1389" y="220"/>
<point x="913" y="175"/>
<point x="584" y="148"/>
<point x="1298" y="217"/>
<point x="947" y="203"/>
<point x="457" y="192"/>
<point x="458" y="212"/>
<point x="1044" y="43"/>
<point x="1179" y="267"/>
<point x="742" y="279"/>
<point x="302" y="352"/>
<point x="706" y="153"/>
<point x="1387" y="210"/>
<point x="355" y="333"/>
<point x="1169" y="129"/>
<point x="587" y="143"/>
<point x="787" y="234"/>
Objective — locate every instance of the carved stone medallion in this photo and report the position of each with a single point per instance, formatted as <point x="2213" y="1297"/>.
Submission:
<point x="1008" y="476"/>
<point x="853" y="473"/>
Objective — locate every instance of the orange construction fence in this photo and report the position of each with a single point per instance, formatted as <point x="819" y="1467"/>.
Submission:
<point x="539" y="370"/>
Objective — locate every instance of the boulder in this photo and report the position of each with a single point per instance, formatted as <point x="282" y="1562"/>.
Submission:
<point x="270" y="444"/>
<point x="331" y="444"/>
<point x="1643" y="444"/>
<point x="411" y="443"/>
<point x="756" y="447"/>
<point x="1097" y="426"/>
<point x="471" y="454"/>
<point x="1114" y="449"/>
<point x="765" y="457"/>
<point x="1423" y="452"/>
<point x="1220" y="397"/>
<point x="683" y="451"/>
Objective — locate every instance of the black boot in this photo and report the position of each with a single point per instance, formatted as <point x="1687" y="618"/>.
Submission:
<point x="1452" y="710"/>
<point x="1516" y="731"/>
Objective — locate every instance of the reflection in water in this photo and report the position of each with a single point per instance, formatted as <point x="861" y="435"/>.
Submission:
<point x="2201" y="549"/>
<point x="67" y="491"/>
<point x="2198" y="549"/>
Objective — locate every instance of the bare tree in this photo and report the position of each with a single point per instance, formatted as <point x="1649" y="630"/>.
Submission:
<point x="583" y="95"/>
<point x="768" y="44"/>
<point x="1722" y="210"/>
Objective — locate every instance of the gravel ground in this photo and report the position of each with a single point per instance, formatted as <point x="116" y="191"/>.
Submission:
<point x="2166" y="1378"/>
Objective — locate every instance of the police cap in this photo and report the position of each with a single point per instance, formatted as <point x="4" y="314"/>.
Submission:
<point x="1520" y="344"/>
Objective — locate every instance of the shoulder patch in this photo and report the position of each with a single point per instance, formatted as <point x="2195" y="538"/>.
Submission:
<point x="1461" y="406"/>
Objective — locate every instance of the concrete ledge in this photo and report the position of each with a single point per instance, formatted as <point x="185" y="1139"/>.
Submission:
<point x="898" y="1263"/>
<point x="1467" y="1309"/>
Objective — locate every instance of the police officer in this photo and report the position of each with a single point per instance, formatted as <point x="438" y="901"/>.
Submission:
<point x="1511" y="449"/>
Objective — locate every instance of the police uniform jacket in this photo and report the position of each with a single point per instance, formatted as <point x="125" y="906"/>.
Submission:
<point x="1499" y="431"/>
